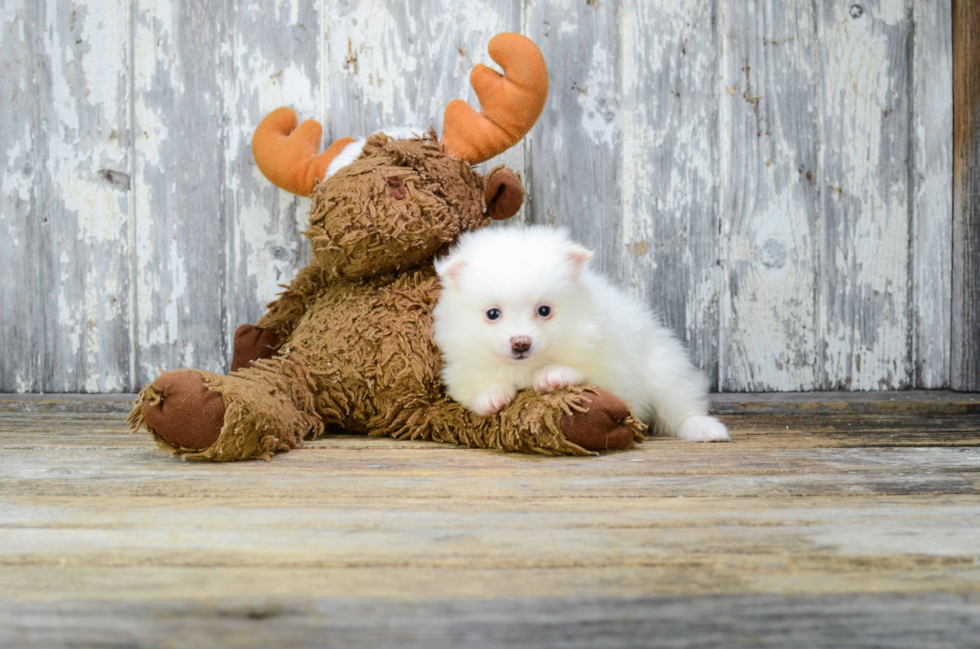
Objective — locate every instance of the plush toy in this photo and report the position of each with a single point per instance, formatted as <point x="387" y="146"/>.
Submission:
<point x="348" y="345"/>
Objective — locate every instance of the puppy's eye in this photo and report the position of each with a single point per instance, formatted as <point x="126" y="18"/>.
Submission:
<point x="544" y="311"/>
<point x="493" y="314"/>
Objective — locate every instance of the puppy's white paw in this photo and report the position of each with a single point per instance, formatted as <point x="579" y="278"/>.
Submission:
<point x="703" y="429"/>
<point x="493" y="399"/>
<point x="556" y="377"/>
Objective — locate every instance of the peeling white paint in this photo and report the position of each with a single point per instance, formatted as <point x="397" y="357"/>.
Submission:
<point x="60" y="53"/>
<point x="601" y="114"/>
<point x="104" y="64"/>
<point x="150" y="134"/>
<point x="772" y="306"/>
<point x="15" y="184"/>
<point x="23" y="384"/>
<point x="99" y="216"/>
<point x="865" y="310"/>
<point x="83" y="182"/>
<point x="932" y="203"/>
<point x="10" y="13"/>
<point x="768" y="200"/>
<point x="380" y="70"/>
<point x="669" y="170"/>
<point x="402" y="67"/>
<point x="890" y="12"/>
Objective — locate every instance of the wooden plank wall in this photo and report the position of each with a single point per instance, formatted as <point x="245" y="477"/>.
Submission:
<point x="775" y="176"/>
<point x="966" y="215"/>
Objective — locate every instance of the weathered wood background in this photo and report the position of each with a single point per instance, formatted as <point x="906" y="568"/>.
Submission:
<point x="774" y="175"/>
<point x="965" y="349"/>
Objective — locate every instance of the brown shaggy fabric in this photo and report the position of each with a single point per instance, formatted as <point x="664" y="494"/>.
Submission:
<point x="358" y="229"/>
<point x="356" y="328"/>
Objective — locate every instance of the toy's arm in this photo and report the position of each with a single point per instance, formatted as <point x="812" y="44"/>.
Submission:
<point x="572" y="421"/>
<point x="286" y="310"/>
<point x="263" y="339"/>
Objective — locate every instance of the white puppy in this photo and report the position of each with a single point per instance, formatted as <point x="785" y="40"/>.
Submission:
<point x="520" y="308"/>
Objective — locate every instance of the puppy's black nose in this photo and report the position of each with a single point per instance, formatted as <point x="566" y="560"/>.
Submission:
<point x="520" y="344"/>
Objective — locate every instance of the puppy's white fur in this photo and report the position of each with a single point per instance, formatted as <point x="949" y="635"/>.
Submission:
<point x="595" y="334"/>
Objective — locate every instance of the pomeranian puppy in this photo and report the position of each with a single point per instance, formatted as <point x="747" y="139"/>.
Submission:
<point x="520" y="308"/>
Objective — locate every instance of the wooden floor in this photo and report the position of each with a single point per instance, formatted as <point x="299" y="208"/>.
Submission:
<point x="831" y="520"/>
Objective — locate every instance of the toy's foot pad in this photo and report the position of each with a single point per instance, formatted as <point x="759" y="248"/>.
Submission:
<point x="602" y="427"/>
<point x="186" y="413"/>
<point x="253" y="344"/>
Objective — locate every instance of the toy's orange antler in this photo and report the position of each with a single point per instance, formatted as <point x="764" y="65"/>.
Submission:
<point x="510" y="104"/>
<point x="288" y="156"/>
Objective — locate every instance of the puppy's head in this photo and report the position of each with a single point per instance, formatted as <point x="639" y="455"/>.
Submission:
<point x="515" y="293"/>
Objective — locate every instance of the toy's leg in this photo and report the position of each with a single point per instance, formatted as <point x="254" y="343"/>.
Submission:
<point x="573" y="421"/>
<point x="253" y="344"/>
<point x="254" y="413"/>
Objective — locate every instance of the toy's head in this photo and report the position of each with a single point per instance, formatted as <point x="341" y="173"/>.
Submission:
<point x="388" y="203"/>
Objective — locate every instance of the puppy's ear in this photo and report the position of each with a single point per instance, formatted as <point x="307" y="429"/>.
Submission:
<point x="578" y="256"/>
<point x="449" y="269"/>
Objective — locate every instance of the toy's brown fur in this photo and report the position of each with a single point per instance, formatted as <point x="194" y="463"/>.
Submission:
<point x="356" y="325"/>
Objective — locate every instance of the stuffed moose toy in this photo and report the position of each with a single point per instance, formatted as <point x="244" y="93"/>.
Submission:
<point x="348" y="345"/>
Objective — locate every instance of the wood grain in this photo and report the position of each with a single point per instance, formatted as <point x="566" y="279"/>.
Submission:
<point x="181" y="220"/>
<point x="819" y="521"/>
<point x="580" y="622"/>
<point x="863" y="175"/>
<point x="671" y="249"/>
<point x="260" y="70"/>
<point x="395" y="65"/>
<point x="20" y="220"/>
<point x="932" y="179"/>
<point x="84" y="193"/>
<point x="819" y="448"/>
<point x="770" y="197"/>
<point x="965" y="352"/>
<point x="576" y="152"/>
